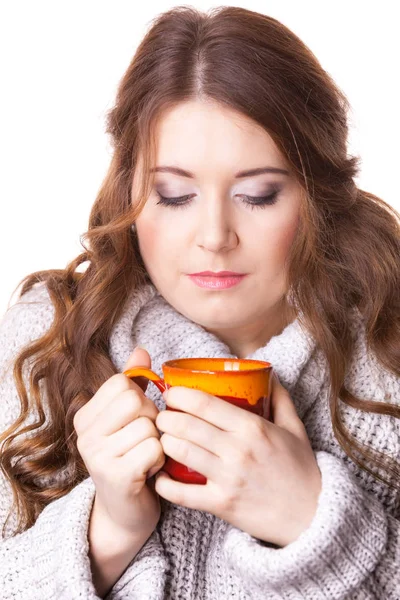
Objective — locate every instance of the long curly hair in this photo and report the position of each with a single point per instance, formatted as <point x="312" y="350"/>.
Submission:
<point x="345" y="254"/>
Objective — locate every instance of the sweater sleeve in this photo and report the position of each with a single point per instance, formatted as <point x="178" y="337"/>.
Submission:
<point x="51" y="559"/>
<point x="351" y="547"/>
<point x="351" y="550"/>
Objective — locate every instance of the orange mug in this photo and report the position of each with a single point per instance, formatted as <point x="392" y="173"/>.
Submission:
<point x="244" y="382"/>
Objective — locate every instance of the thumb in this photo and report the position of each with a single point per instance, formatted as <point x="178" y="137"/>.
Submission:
<point x="139" y="358"/>
<point x="283" y="410"/>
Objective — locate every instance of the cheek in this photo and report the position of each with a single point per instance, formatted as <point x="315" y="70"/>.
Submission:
<point x="148" y="239"/>
<point x="286" y="236"/>
<point x="278" y="241"/>
<point x="149" y="244"/>
<point x="157" y="242"/>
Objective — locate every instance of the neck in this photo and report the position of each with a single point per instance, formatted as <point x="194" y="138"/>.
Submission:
<point x="243" y="341"/>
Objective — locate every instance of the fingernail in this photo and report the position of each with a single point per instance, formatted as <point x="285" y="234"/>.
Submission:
<point x="142" y="347"/>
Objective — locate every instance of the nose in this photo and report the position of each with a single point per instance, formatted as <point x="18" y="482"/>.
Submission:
<point x="216" y="231"/>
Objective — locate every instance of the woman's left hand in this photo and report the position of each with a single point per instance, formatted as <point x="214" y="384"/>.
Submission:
<point x="262" y="476"/>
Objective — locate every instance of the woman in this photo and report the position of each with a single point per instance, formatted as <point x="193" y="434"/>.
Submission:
<point x="229" y="155"/>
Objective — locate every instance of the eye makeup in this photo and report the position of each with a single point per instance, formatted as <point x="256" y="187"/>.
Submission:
<point x="262" y="201"/>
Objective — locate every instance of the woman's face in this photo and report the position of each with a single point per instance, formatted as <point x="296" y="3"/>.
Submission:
<point x="219" y="227"/>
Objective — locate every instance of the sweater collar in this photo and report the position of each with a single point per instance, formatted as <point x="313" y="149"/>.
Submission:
<point x="148" y="319"/>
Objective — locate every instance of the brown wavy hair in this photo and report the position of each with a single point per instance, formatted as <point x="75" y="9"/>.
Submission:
<point x="345" y="255"/>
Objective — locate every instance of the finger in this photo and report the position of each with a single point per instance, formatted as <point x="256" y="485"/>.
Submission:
<point x="188" y="427"/>
<point x="284" y="412"/>
<point x="197" y="497"/>
<point x="139" y="358"/>
<point x="111" y="388"/>
<point x="125" y="408"/>
<point x="214" y="410"/>
<point x="141" y="382"/>
<point x="191" y="456"/>
<point x="140" y="459"/>
<point x="115" y="385"/>
<point x="130" y="436"/>
<point x="155" y="470"/>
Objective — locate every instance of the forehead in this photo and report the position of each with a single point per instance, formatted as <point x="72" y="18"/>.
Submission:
<point x="200" y="132"/>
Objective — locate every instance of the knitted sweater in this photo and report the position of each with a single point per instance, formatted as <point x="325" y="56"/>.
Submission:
<point x="351" y="550"/>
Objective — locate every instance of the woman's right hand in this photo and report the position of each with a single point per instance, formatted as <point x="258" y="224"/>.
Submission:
<point x="120" y="446"/>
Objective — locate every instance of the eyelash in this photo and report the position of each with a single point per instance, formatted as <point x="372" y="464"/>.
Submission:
<point x="257" y="201"/>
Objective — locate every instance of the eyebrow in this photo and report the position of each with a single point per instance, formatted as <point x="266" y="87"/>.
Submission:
<point x="248" y="173"/>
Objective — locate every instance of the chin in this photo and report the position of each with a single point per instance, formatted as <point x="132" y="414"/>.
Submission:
<point x="216" y="319"/>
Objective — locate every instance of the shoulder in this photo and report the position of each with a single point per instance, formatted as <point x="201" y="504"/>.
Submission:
<point x="369" y="380"/>
<point x="26" y="320"/>
<point x="365" y="375"/>
<point x="37" y="296"/>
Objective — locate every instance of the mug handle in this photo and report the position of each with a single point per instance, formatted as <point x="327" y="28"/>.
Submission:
<point x="149" y="374"/>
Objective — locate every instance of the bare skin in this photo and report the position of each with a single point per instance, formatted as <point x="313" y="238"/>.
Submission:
<point x="216" y="229"/>
<point x="120" y="445"/>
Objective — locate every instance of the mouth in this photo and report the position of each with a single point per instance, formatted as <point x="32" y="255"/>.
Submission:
<point x="216" y="281"/>
<point x="216" y="274"/>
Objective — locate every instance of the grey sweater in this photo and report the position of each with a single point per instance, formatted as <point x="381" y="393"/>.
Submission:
<point x="351" y="549"/>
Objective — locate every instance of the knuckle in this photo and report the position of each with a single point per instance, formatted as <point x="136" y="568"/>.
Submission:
<point x="239" y="482"/>
<point x="185" y="449"/>
<point x="147" y="426"/>
<point x="119" y="383"/>
<point x="254" y="426"/>
<point x="182" y="448"/>
<point x="253" y="432"/>
<point x="166" y="418"/>
<point x="152" y="444"/>
<point x="84" y="444"/>
<point x="239" y="459"/>
<point x="131" y="402"/>
<point x="227" y="501"/>
<point x="155" y="447"/>
<point x="241" y="456"/>
<point x="177" y="444"/>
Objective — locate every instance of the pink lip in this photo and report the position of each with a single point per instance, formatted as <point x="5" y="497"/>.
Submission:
<point x="218" y="273"/>
<point x="216" y="283"/>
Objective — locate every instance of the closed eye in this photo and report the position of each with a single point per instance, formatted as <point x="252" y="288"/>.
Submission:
<point x="252" y="201"/>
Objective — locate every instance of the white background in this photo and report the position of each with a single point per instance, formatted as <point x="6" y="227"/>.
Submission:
<point x="60" y="66"/>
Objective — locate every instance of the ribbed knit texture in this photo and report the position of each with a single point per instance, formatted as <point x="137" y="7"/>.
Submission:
<point x="351" y="550"/>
